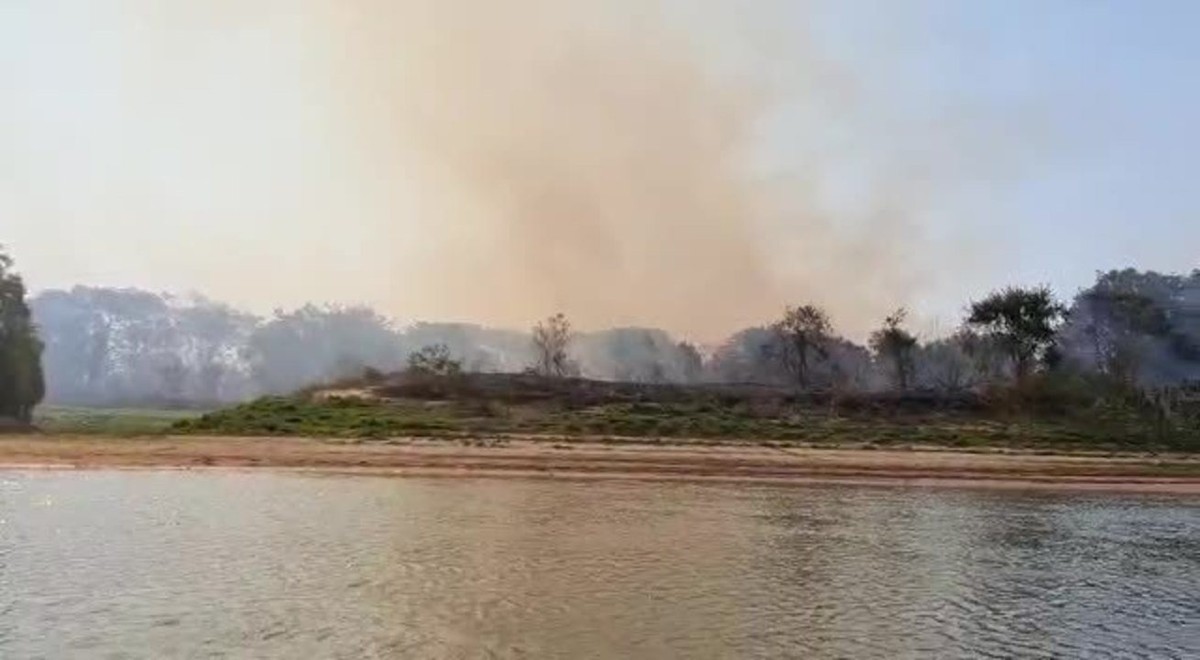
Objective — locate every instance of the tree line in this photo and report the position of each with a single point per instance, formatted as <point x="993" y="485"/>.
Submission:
<point x="104" y="346"/>
<point x="1130" y="330"/>
<point x="109" y="346"/>
<point x="1010" y="331"/>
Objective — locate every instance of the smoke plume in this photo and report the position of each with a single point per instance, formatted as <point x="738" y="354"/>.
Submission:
<point x="623" y="162"/>
<point x="596" y="159"/>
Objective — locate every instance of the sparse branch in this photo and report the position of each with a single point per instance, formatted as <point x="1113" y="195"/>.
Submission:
<point x="803" y="334"/>
<point x="551" y="338"/>
<point x="893" y="344"/>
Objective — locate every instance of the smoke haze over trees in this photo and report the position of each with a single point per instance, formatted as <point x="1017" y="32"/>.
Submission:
<point x="595" y="157"/>
<point x="1142" y="327"/>
<point x="120" y="346"/>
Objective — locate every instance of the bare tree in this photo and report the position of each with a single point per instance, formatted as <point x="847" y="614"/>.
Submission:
<point x="551" y="338"/>
<point x="693" y="362"/>
<point x="896" y="345"/>
<point x="803" y="335"/>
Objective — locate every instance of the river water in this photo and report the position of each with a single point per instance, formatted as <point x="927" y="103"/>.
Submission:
<point x="262" y="564"/>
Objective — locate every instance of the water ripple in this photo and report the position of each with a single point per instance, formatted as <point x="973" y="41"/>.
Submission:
<point x="270" y="565"/>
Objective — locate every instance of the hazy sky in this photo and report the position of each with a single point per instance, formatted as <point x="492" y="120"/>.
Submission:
<point x="692" y="165"/>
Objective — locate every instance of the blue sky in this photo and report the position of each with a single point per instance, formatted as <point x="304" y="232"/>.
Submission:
<point x="1108" y="96"/>
<point x="1118" y="79"/>
<point x="187" y="149"/>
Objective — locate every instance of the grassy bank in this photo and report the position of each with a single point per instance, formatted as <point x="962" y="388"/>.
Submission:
<point x="495" y="405"/>
<point x="108" y="421"/>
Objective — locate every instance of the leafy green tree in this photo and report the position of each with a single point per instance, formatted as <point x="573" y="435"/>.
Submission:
<point x="22" y="385"/>
<point x="1023" y="323"/>
<point x="803" y="334"/>
<point x="894" y="344"/>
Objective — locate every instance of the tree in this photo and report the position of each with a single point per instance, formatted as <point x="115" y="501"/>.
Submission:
<point x="945" y="364"/>
<point x="988" y="359"/>
<point x="173" y="374"/>
<point x="636" y="355"/>
<point x="844" y="366"/>
<point x="551" y="338"/>
<point x="22" y="385"/>
<point x="749" y="356"/>
<point x="1130" y="326"/>
<point x="128" y="347"/>
<point x="1023" y="322"/>
<point x="803" y="334"/>
<point x="479" y="349"/>
<point x="1119" y="325"/>
<point x="692" y="362"/>
<point x="434" y="360"/>
<point x="314" y="344"/>
<point x="896" y="345"/>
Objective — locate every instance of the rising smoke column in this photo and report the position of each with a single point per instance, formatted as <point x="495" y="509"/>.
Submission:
<point x="593" y="158"/>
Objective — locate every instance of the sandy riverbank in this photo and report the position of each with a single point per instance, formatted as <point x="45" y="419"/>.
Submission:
<point x="591" y="459"/>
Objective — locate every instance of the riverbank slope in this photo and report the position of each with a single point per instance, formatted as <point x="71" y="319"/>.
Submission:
<point x="591" y="458"/>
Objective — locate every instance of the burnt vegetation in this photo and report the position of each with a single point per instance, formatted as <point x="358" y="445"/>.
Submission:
<point x="500" y="405"/>
<point x="1116" y="367"/>
<point x="1023" y="370"/>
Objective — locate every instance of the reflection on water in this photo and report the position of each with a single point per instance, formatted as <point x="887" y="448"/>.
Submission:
<point x="237" y="563"/>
